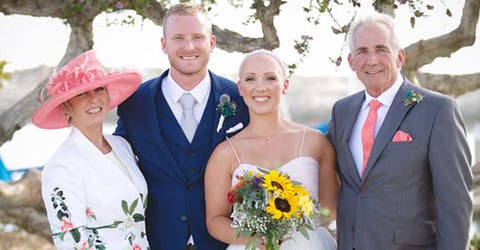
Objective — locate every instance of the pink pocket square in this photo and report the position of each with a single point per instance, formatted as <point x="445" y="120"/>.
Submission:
<point x="401" y="136"/>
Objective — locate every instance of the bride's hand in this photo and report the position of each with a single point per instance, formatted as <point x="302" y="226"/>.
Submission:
<point x="261" y="246"/>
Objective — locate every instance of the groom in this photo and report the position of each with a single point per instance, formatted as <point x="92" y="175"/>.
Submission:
<point x="172" y="124"/>
<point x="402" y="154"/>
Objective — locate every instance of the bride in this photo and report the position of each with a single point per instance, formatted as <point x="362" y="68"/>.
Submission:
<point x="270" y="142"/>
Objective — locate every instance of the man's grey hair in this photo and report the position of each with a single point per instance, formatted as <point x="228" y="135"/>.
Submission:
<point x="268" y="53"/>
<point x="376" y="18"/>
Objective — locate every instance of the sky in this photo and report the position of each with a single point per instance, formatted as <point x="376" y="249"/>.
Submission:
<point x="28" y="42"/>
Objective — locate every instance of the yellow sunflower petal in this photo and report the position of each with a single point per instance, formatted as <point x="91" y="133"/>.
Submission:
<point x="277" y="182"/>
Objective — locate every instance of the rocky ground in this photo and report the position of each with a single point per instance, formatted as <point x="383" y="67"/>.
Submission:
<point x="23" y="241"/>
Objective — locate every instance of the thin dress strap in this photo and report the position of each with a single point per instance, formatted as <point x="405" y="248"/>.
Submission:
<point x="233" y="149"/>
<point x="301" y="142"/>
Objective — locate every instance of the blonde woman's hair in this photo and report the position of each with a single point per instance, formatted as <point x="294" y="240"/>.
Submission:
<point x="268" y="53"/>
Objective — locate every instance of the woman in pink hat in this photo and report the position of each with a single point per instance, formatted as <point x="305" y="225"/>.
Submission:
<point x="93" y="191"/>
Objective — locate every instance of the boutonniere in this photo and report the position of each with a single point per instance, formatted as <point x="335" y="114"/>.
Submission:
<point x="226" y="107"/>
<point x="411" y="97"/>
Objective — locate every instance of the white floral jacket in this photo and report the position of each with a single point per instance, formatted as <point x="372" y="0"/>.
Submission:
<point x="91" y="204"/>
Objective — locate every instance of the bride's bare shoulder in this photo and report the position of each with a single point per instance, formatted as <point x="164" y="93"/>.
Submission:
<point x="316" y="142"/>
<point x="223" y="153"/>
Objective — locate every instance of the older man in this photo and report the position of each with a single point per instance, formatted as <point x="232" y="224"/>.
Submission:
<point x="402" y="154"/>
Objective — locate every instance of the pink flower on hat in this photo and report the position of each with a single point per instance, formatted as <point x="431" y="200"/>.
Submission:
<point x="66" y="79"/>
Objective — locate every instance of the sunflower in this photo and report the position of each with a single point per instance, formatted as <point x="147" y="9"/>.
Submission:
<point x="284" y="205"/>
<point x="277" y="182"/>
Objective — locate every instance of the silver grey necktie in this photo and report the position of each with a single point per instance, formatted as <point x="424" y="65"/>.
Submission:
<point x="188" y="121"/>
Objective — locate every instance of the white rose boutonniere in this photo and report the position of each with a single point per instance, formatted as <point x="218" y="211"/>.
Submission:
<point x="226" y="107"/>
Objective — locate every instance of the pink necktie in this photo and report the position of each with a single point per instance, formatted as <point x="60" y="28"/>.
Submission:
<point x="368" y="131"/>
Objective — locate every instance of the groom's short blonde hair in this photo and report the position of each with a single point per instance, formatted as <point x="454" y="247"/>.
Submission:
<point x="187" y="9"/>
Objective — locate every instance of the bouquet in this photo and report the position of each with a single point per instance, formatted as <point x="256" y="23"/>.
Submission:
<point x="269" y="206"/>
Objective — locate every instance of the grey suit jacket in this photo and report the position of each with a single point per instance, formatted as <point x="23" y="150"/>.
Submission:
<point x="414" y="195"/>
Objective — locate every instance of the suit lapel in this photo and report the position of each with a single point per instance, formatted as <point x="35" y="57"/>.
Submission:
<point x="156" y="138"/>
<point x="217" y="90"/>
<point x="392" y="121"/>
<point x="355" y="107"/>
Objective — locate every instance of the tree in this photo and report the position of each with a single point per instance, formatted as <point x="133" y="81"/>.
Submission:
<point x="79" y="15"/>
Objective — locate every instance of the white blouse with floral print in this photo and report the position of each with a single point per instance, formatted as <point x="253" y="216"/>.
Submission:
<point x="91" y="203"/>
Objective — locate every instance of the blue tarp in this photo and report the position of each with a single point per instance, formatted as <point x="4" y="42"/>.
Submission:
<point x="323" y="127"/>
<point x="4" y="172"/>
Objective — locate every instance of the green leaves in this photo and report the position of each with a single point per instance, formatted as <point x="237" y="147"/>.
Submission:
<point x="304" y="232"/>
<point x="226" y="107"/>
<point x="252" y="244"/>
<point x="125" y="207"/>
<point x="138" y="217"/>
<point x="324" y="5"/>
<point x="411" y="97"/>
<point x="129" y="210"/>
<point x="133" y="206"/>
<point x="144" y="200"/>
<point x="75" y="235"/>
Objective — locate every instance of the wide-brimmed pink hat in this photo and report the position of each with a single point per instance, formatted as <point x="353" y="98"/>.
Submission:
<point x="81" y="74"/>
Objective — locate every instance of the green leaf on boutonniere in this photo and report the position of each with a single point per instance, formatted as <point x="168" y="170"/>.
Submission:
<point x="226" y="107"/>
<point x="411" y="97"/>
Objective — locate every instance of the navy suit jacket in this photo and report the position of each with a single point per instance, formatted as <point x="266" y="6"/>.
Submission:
<point x="176" y="206"/>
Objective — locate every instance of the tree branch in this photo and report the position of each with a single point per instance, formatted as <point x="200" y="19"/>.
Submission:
<point x="156" y="12"/>
<point x="38" y="8"/>
<point x="454" y="85"/>
<point x="425" y="51"/>
<point x="231" y="41"/>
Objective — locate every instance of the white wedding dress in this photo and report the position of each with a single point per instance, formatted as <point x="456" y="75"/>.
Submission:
<point x="305" y="170"/>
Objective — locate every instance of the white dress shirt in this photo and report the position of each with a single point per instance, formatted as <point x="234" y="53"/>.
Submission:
<point x="172" y="92"/>
<point x="386" y="98"/>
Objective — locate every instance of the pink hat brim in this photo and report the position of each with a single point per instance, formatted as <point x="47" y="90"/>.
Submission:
<point x="120" y="86"/>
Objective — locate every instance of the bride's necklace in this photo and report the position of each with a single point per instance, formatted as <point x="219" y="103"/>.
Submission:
<point x="268" y="136"/>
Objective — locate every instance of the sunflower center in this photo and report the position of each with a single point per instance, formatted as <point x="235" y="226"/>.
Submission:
<point x="277" y="185"/>
<point x="282" y="205"/>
